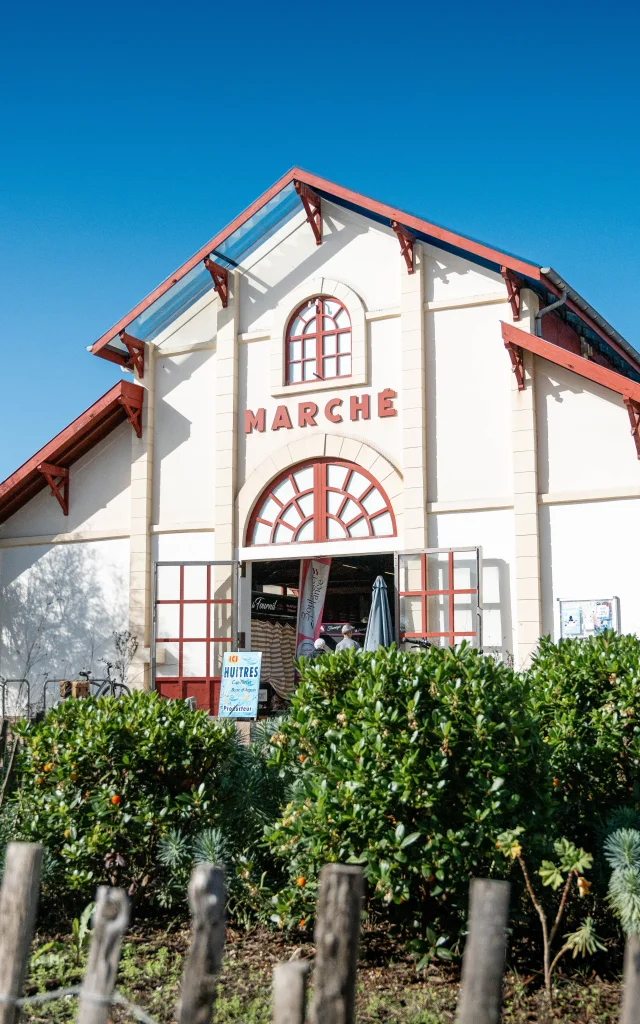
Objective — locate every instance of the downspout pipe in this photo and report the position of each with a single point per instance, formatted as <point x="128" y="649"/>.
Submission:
<point x="547" y="309"/>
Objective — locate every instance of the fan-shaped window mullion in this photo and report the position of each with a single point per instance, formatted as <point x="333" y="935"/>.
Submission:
<point x="314" y="519"/>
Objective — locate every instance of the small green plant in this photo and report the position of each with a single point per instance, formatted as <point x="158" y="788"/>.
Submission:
<point x="622" y="851"/>
<point x="80" y="934"/>
<point x="571" y="864"/>
<point x="249" y="798"/>
<point x="431" y="947"/>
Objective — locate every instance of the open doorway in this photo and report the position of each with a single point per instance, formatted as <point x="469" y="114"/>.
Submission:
<point x="274" y="611"/>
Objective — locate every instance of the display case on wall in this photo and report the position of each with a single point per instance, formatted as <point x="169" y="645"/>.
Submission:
<point x="589" y="617"/>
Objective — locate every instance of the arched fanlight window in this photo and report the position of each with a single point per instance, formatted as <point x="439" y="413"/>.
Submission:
<point x="325" y="500"/>
<point x="318" y="342"/>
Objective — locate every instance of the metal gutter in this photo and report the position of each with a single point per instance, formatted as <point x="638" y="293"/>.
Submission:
<point x="584" y="307"/>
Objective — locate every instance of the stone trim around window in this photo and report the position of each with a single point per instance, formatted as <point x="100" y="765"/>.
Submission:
<point x="310" y="289"/>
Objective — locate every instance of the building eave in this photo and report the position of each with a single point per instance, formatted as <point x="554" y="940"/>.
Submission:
<point x="70" y="444"/>
<point x="108" y="348"/>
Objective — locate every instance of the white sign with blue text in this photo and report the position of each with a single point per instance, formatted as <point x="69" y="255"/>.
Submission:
<point x="240" y="684"/>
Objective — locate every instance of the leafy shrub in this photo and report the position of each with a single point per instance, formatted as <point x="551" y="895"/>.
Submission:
<point x="103" y="780"/>
<point x="410" y="764"/>
<point x="586" y="695"/>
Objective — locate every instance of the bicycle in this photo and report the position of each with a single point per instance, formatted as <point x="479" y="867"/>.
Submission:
<point x="110" y="687"/>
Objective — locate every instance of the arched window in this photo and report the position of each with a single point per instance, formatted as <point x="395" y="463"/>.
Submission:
<point x="318" y="341"/>
<point x="321" y="501"/>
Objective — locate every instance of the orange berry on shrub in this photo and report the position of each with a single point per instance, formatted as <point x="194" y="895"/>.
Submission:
<point x="47" y="767"/>
<point x="302" y="757"/>
<point x="302" y="923"/>
<point x="301" y="881"/>
<point x="115" y="799"/>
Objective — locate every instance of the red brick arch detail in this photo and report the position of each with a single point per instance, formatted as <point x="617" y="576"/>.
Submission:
<point x="319" y="490"/>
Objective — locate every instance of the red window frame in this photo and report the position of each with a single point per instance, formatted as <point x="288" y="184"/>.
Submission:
<point x="320" y="334"/>
<point x="205" y="688"/>
<point x="320" y="515"/>
<point x="449" y="593"/>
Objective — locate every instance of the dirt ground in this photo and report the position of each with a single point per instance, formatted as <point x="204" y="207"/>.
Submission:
<point x="389" y="990"/>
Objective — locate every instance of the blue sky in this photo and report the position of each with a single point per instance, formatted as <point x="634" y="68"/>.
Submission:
<point x="133" y="131"/>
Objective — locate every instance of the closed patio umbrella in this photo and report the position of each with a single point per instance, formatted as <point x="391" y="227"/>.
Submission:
<point x="379" y="632"/>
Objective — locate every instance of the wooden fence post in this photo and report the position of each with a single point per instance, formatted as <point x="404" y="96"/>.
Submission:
<point x="110" y="920"/>
<point x="207" y="902"/>
<point x="630" y="1012"/>
<point x="337" y="935"/>
<point x="484" y="954"/>
<point x="290" y="992"/>
<point x="18" y="904"/>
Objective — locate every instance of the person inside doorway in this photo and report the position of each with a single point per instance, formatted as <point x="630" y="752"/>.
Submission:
<point x="320" y="647"/>
<point x="347" y="641"/>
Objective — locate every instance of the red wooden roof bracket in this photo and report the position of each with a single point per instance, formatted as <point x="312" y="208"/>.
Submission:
<point x="633" y="408"/>
<point x="513" y="284"/>
<point x="135" y="348"/>
<point x="220" y="278"/>
<point x="312" y="207"/>
<point x="406" y="240"/>
<point x="58" y="479"/>
<point x="132" y="405"/>
<point x="517" y="365"/>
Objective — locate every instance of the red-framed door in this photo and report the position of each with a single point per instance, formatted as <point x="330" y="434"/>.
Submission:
<point x="438" y="596"/>
<point x="195" y="618"/>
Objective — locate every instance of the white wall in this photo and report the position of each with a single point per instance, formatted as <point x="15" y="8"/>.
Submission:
<point x="59" y="606"/>
<point x="468" y="405"/>
<point x="184" y="442"/>
<point x="99" y="494"/>
<point x="450" y="278"/>
<point x="588" y="551"/>
<point x="198" y="546"/>
<point x="584" y="439"/>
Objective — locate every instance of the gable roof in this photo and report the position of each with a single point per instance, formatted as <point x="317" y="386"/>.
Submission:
<point x="70" y="444"/>
<point x="280" y="202"/>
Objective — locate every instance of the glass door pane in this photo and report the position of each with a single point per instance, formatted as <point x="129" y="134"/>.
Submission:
<point x="195" y="622"/>
<point x="438" y="595"/>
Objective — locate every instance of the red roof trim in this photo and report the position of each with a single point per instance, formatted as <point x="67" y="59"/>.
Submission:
<point x="390" y="212"/>
<point x="69" y="445"/>
<point x="193" y="261"/>
<point x="578" y="364"/>
<point x="407" y="220"/>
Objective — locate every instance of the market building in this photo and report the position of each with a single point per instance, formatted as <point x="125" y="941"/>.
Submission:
<point x="331" y="378"/>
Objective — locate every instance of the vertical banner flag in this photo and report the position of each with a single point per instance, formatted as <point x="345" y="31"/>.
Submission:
<point x="314" y="576"/>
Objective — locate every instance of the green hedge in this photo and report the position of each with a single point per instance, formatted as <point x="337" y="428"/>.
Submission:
<point x="410" y="765"/>
<point x="103" y="780"/>
<point x="585" y="695"/>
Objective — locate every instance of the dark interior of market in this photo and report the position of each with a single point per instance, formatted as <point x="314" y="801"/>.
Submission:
<point x="274" y="614"/>
<point x="348" y="597"/>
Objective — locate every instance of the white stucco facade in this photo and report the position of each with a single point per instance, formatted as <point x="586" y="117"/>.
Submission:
<point x="544" y="480"/>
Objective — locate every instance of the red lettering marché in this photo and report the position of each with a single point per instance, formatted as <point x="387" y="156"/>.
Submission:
<point x="336" y="409"/>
